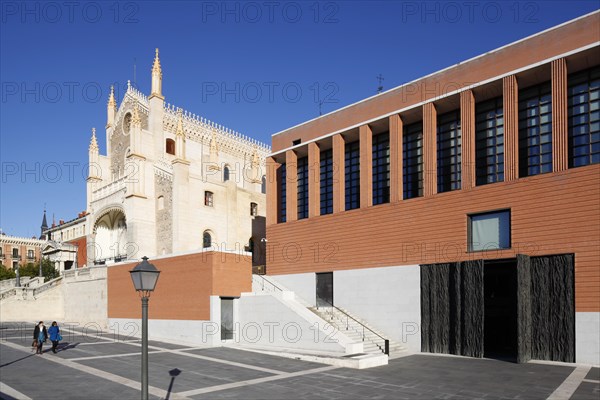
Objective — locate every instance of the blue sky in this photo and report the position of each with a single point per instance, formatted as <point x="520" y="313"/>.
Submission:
<point x="256" y="67"/>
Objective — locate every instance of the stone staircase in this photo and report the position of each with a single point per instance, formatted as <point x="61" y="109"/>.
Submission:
<point x="351" y="326"/>
<point x="357" y="329"/>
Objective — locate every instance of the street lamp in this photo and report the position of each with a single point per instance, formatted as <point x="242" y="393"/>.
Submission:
<point x="144" y="277"/>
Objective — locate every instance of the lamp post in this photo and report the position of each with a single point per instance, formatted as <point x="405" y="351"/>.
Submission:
<point x="144" y="277"/>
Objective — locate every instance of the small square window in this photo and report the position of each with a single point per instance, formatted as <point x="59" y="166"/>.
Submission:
<point x="489" y="231"/>
<point x="253" y="209"/>
<point x="208" y="199"/>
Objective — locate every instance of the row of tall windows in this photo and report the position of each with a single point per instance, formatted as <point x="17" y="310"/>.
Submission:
<point x="535" y="146"/>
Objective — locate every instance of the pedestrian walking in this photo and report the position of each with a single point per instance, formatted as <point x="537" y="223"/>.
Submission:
<point x="55" y="337"/>
<point x="40" y="333"/>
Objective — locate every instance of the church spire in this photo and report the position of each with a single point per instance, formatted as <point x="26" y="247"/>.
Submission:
<point x="44" y="226"/>
<point x="156" y="77"/>
<point x="111" y="98"/>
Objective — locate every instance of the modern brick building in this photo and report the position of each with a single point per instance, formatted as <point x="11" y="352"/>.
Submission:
<point x="458" y="213"/>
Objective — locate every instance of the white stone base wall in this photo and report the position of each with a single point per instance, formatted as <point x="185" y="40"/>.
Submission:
<point x="587" y="338"/>
<point x="387" y="298"/>
<point x="278" y="322"/>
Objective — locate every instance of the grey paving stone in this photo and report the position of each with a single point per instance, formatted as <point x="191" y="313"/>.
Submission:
<point x="594" y="374"/>
<point x="587" y="391"/>
<point x="261" y="360"/>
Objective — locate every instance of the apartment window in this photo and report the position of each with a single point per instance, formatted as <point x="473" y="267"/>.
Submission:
<point x="253" y="209"/>
<point x="225" y="174"/>
<point x="208" y="199"/>
<point x="326" y="172"/>
<point x="489" y="231"/>
<point x="282" y="193"/>
<point x="412" y="160"/>
<point x="489" y="141"/>
<point x="584" y="117"/>
<point x="381" y="168"/>
<point x="15" y="253"/>
<point x="448" y="151"/>
<point x="535" y="130"/>
<point x="352" y="175"/>
<point x="170" y="146"/>
<point x="206" y="239"/>
<point x="30" y="254"/>
<point x="303" y="187"/>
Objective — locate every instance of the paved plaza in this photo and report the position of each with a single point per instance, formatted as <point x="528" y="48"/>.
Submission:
<point x="98" y="365"/>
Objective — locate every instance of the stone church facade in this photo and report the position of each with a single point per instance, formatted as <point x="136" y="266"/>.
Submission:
<point x="171" y="182"/>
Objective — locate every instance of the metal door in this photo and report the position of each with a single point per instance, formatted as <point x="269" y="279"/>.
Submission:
<point x="325" y="289"/>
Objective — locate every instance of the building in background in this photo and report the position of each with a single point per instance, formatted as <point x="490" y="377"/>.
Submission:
<point x="16" y="251"/>
<point x="171" y="182"/>
<point x="457" y="213"/>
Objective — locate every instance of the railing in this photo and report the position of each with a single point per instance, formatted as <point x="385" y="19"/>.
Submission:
<point x="48" y="285"/>
<point x="261" y="281"/>
<point x="112" y="188"/>
<point x="386" y="342"/>
<point x="27" y="292"/>
<point x="117" y="258"/>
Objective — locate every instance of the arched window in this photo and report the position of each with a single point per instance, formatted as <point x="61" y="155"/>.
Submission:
<point x="170" y="146"/>
<point x="161" y="202"/>
<point x="225" y="174"/>
<point x="263" y="185"/>
<point x="206" y="239"/>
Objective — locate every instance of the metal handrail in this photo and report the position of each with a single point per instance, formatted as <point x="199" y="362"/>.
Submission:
<point x="263" y="280"/>
<point x="349" y="317"/>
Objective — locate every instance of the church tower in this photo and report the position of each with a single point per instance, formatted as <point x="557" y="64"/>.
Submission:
<point x="44" y="227"/>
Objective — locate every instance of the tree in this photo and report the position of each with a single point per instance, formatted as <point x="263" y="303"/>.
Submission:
<point x="6" y="273"/>
<point x="32" y="270"/>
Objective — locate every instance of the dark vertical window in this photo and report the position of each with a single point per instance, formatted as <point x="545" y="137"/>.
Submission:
<point x="535" y="130"/>
<point x="303" y="187"/>
<point x="208" y="198"/>
<point x="448" y="151"/>
<point x="282" y="193"/>
<point x="253" y="209"/>
<point x="489" y="141"/>
<point x="381" y="168"/>
<point x="206" y="239"/>
<point x="225" y="174"/>
<point x="263" y="185"/>
<point x="412" y="160"/>
<point x="326" y="173"/>
<point x="584" y="117"/>
<point x="352" y="175"/>
<point x="170" y="146"/>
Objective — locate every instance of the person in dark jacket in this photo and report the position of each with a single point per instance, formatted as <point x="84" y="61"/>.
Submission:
<point x="40" y="334"/>
<point x="54" y="333"/>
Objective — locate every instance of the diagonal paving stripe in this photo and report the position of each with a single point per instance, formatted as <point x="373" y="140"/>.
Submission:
<point x="256" y="381"/>
<point x="99" y="373"/>
<point x="12" y="393"/>
<point x="115" y="355"/>
<point x="570" y="385"/>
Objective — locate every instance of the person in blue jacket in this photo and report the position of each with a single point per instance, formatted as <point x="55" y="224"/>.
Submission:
<point x="54" y="333"/>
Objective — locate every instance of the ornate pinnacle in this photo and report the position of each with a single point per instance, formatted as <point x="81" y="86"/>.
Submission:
<point x="94" y="142"/>
<point x="111" y="99"/>
<point x="179" y="131"/>
<point x="156" y="67"/>
<point x="135" y="118"/>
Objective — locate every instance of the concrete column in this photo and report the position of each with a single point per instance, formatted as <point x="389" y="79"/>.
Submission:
<point x="510" y="104"/>
<point x="560" y="136"/>
<point x="366" y="166"/>
<point x="429" y="149"/>
<point x="395" y="158"/>
<point x="467" y="125"/>
<point x="339" y="173"/>
<point x="314" y="180"/>
<point x="272" y="199"/>
<point x="291" y="165"/>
